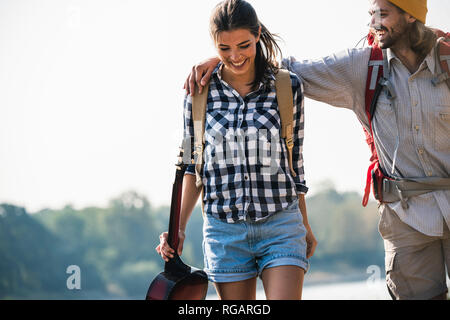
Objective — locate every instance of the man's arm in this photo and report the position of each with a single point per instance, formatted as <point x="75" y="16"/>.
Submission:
<point x="338" y="79"/>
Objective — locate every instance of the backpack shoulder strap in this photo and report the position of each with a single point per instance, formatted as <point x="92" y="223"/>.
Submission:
<point x="377" y="70"/>
<point x="199" y="102"/>
<point x="285" y="100"/>
<point x="442" y="58"/>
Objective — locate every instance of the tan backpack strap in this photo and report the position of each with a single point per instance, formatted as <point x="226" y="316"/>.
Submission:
<point x="285" y="99"/>
<point x="199" y="102"/>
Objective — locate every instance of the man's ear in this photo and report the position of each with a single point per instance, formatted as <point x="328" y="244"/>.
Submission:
<point x="410" y="18"/>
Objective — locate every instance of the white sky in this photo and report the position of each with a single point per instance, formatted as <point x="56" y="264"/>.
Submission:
<point x="91" y="93"/>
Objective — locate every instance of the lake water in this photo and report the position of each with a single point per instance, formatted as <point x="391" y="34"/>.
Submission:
<point x="358" y="290"/>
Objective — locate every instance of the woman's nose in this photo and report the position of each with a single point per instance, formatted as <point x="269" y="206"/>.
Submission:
<point x="235" y="56"/>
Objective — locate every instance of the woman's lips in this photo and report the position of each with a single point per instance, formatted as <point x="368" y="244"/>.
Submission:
<point x="238" y="65"/>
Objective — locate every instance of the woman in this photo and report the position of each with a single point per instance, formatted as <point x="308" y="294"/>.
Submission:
<point x="255" y="221"/>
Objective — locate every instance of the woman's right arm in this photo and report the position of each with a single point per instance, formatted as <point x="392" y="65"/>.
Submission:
<point x="190" y="192"/>
<point x="188" y="201"/>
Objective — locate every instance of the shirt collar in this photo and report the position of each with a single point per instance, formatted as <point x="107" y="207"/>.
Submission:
<point x="218" y="74"/>
<point x="429" y="60"/>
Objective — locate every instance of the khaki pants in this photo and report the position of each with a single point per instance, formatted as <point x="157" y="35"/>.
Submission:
<point x="415" y="263"/>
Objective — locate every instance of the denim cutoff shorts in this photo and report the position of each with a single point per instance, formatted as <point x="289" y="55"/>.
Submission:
<point x="241" y="251"/>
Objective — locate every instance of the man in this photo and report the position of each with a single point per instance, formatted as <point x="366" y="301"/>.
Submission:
<point x="411" y="130"/>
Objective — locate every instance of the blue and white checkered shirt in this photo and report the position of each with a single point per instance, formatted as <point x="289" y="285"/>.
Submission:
<point x="246" y="172"/>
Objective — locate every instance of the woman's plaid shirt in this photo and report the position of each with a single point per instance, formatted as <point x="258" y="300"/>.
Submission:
<point x="246" y="173"/>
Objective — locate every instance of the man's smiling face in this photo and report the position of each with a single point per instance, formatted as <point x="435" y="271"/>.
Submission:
<point x="387" y="23"/>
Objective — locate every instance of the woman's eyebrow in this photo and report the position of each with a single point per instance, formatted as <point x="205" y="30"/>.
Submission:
<point x="239" y="44"/>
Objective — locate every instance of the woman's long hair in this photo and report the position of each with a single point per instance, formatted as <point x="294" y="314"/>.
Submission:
<point x="230" y="15"/>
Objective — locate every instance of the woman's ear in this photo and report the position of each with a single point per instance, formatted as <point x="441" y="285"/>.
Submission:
<point x="259" y="34"/>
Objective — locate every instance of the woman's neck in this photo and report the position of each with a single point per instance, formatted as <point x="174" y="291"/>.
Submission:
<point x="241" y="82"/>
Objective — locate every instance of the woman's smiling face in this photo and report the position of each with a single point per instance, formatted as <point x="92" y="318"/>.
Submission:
<point x="237" y="50"/>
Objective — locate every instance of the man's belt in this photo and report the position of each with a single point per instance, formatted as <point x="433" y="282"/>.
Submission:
<point x="401" y="190"/>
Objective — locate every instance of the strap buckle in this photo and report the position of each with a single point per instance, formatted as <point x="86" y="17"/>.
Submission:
<point x="403" y="200"/>
<point x="198" y="154"/>
<point x="290" y="143"/>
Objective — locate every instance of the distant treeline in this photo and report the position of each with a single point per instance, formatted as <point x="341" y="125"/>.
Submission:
<point x="114" y="247"/>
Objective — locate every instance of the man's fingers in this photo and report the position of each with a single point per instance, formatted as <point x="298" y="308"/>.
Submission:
<point x="206" y="77"/>
<point x="191" y="83"/>
<point x="198" y="74"/>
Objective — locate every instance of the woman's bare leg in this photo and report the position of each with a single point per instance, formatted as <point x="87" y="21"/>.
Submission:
<point x="283" y="283"/>
<point x="242" y="290"/>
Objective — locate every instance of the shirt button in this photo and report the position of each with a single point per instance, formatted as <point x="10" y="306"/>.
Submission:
<point x="246" y="177"/>
<point x="429" y="173"/>
<point x="421" y="151"/>
<point x="417" y="128"/>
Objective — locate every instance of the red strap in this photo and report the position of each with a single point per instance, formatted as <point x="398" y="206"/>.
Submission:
<point x="376" y="55"/>
<point x="441" y="33"/>
<point x="444" y="51"/>
<point x="368" y="184"/>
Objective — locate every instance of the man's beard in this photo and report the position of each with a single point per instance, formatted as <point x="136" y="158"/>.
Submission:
<point x="393" y="36"/>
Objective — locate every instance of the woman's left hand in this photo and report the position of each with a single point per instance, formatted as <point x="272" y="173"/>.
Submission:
<point x="311" y="242"/>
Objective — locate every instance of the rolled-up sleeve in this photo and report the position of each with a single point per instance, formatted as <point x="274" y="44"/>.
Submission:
<point x="188" y="135"/>
<point x="299" y="134"/>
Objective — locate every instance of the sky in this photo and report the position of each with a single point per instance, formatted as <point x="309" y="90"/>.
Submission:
<point x="91" y="95"/>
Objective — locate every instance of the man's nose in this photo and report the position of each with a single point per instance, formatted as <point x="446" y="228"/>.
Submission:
<point x="375" y="21"/>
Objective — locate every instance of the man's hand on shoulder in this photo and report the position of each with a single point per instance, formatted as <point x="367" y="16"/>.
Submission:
<point x="200" y="75"/>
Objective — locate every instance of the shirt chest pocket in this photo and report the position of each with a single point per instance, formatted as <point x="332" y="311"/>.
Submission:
<point x="217" y="124"/>
<point x="441" y="129"/>
<point x="384" y="118"/>
<point x="268" y="120"/>
<point x="385" y="107"/>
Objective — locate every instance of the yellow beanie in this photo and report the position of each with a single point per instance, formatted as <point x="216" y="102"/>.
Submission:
<point x="416" y="8"/>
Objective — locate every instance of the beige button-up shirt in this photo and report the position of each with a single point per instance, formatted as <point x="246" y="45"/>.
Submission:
<point x="417" y="123"/>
